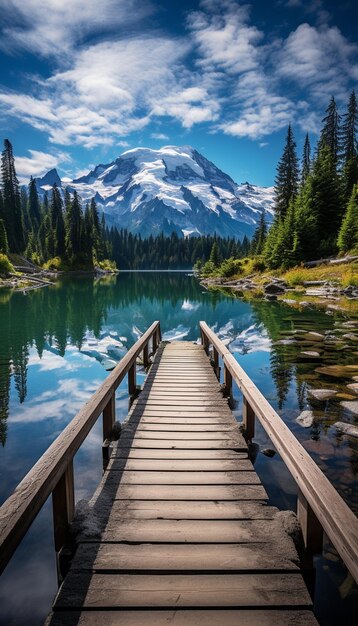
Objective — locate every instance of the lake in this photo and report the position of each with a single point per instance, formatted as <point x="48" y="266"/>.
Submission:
<point x="55" y="345"/>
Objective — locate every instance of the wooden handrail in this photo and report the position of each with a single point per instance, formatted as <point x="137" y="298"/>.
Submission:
<point x="53" y="472"/>
<point x="319" y="504"/>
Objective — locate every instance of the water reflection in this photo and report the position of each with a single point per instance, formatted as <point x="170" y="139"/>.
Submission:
<point x="55" y="345"/>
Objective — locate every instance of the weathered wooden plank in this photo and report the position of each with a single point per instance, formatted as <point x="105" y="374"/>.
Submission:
<point x="180" y="465"/>
<point x="184" y="617"/>
<point x="158" y="477"/>
<point x="189" y="531"/>
<point x="191" y="492"/>
<point x="214" y="422"/>
<point x="181" y="509"/>
<point x="176" y="557"/>
<point x="231" y="437"/>
<point x="189" y="428"/>
<point x="137" y="453"/>
<point x="249" y="590"/>
<point x="139" y="442"/>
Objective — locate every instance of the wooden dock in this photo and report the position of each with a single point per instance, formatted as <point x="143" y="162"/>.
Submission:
<point x="188" y="537"/>
<point x="179" y="530"/>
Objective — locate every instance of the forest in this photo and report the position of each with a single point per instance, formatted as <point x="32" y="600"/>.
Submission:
<point x="59" y="233"/>
<point x="316" y="215"/>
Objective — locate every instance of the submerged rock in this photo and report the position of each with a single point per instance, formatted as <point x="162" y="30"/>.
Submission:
<point x="322" y="394"/>
<point x="313" y="336"/>
<point x="347" y="429"/>
<point x="269" y="452"/>
<point x="305" y="419"/>
<point x="351" y="405"/>
<point x="350" y="336"/>
<point x="338" y="371"/>
<point x="353" y="386"/>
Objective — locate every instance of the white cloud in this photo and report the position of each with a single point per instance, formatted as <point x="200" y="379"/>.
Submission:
<point x="224" y="38"/>
<point x="318" y="59"/>
<point x="159" y="136"/>
<point x="38" y="163"/>
<point x="237" y="82"/>
<point x="55" y="27"/>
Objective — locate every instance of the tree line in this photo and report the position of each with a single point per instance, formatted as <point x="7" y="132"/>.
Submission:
<point x="316" y="208"/>
<point x="54" y="228"/>
<point x="59" y="232"/>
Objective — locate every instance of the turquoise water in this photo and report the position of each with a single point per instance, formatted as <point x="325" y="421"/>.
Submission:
<point x="55" y="345"/>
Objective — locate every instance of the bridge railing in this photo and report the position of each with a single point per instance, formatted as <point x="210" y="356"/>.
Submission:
<point x="53" y="472"/>
<point x="319" y="506"/>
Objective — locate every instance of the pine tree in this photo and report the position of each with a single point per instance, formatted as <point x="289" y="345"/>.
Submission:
<point x="349" y="147"/>
<point x="348" y="234"/>
<point x="326" y="199"/>
<point x="259" y="237"/>
<point x="57" y="221"/>
<point x="306" y="160"/>
<point x="4" y="247"/>
<point x="286" y="182"/>
<point x="330" y="131"/>
<point x="34" y="206"/>
<point x="306" y="237"/>
<point x="73" y="228"/>
<point x="214" y="254"/>
<point x="11" y="200"/>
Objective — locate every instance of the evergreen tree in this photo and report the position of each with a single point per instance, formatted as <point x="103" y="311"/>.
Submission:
<point x="11" y="200"/>
<point x="4" y="247"/>
<point x="330" y="131"/>
<point x="306" y="160"/>
<point x="214" y="254"/>
<point x="348" y="234"/>
<point x="306" y="237"/>
<point x="73" y="228"/>
<point x="57" y="221"/>
<point x="259" y="237"/>
<point x="326" y="199"/>
<point x="34" y="206"/>
<point x="286" y="182"/>
<point x="349" y="147"/>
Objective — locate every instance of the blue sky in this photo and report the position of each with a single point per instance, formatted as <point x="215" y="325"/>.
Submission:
<point x="83" y="80"/>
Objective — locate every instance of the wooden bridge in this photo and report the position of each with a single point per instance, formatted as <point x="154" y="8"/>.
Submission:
<point x="179" y="530"/>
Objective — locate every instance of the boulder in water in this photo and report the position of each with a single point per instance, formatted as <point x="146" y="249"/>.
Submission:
<point x="305" y="419"/>
<point x="322" y="394"/>
<point x="347" y="429"/>
<point x="351" y="405"/>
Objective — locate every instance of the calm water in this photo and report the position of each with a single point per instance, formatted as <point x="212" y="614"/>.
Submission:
<point x="55" y="344"/>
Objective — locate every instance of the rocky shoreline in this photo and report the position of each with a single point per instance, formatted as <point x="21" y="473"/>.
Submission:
<point x="273" y="288"/>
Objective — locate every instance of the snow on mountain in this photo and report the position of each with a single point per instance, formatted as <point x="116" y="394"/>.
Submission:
<point x="172" y="189"/>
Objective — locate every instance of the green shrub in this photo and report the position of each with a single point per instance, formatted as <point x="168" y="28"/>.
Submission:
<point x="230" y="267"/>
<point x="53" y="264"/>
<point x="107" y="265"/>
<point x="5" y="265"/>
<point x="258" y="264"/>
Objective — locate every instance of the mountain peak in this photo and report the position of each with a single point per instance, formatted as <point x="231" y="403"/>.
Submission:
<point x="150" y="191"/>
<point x="49" y="179"/>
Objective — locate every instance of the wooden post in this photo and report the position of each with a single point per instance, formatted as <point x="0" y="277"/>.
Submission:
<point x="312" y="531"/>
<point x="155" y="342"/>
<point x="227" y="381"/>
<point x="248" y="418"/>
<point x="216" y="363"/>
<point x="63" y="508"/>
<point x="145" y="356"/>
<point x="109" y="416"/>
<point x="132" y="380"/>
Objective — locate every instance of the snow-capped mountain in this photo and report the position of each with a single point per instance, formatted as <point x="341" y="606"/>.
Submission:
<point x="172" y="189"/>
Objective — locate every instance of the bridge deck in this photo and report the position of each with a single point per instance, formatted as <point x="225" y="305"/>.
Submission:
<point x="180" y="531"/>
